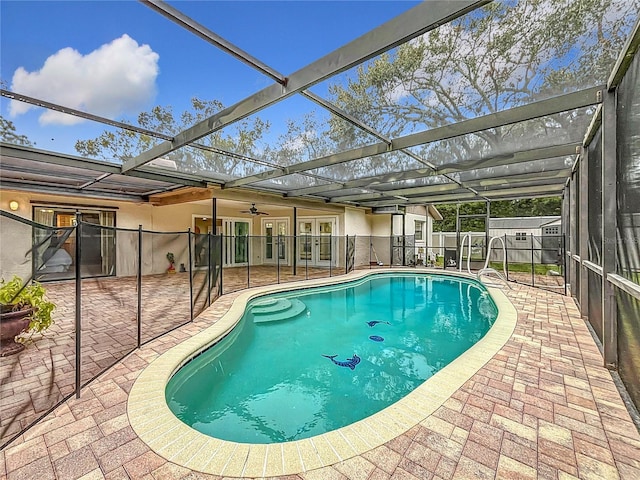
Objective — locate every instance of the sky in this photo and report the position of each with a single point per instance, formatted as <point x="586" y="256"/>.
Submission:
<point x="118" y="58"/>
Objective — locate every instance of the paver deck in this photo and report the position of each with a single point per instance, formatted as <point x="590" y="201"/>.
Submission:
<point x="543" y="407"/>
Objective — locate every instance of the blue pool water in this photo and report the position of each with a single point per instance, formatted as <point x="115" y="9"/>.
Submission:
<point x="356" y="349"/>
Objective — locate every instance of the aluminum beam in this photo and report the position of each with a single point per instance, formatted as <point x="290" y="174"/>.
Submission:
<point x="522" y="196"/>
<point x="550" y="190"/>
<point x="125" y="126"/>
<point x="211" y="37"/>
<point x="518" y="157"/>
<point x="551" y="177"/>
<point x="413" y="23"/>
<point x="445" y="198"/>
<point x="625" y="58"/>
<point x="593" y="127"/>
<point x="78" y="113"/>
<point x="203" y="32"/>
<point x="624" y="284"/>
<point x="583" y="234"/>
<point x="542" y="108"/>
<point x="562" y="103"/>
<point x="443" y="187"/>
<point x="559" y="175"/>
<point x="354" y="121"/>
<point x="609" y="227"/>
<point x="66" y="190"/>
<point x="344" y="115"/>
<point x="29" y="153"/>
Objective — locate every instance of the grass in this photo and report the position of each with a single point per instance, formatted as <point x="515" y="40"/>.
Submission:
<point x="538" y="269"/>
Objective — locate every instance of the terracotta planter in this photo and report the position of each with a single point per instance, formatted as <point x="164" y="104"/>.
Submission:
<point x="11" y="324"/>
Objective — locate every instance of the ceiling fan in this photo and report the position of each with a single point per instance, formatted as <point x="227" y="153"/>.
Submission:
<point x="254" y="211"/>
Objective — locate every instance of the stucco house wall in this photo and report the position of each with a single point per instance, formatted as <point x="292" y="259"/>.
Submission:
<point x="350" y="221"/>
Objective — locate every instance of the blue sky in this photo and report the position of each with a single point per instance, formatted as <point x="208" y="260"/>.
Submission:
<point x="117" y="58"/>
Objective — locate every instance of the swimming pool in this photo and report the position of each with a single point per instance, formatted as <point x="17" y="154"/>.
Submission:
<point x="158" y="427"/>
<point x="299" y="364"/>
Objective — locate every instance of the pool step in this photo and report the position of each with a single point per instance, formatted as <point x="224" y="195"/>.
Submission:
<point x="277" y="310"/>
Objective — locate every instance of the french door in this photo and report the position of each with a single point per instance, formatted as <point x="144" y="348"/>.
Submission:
<point x="275" y="245"/>
<point x="236" y="241"/>
<point x="316" y="241"/>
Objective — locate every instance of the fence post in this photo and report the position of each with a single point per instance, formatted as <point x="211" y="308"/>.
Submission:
<point x="506" y="254"/>
<point x="248" y="263"/>
<point x="346" y="254"/>
<point x="533" y="277"/>
<point x="564" y="262"/>
<point x="209" y="268"/>
<point x="370" y="247"/>
<point x="307" y="252"/>
<point x="221" y="247"/>
<point x="139" y="312"/>
<point x="190" y="275"/>
<point x="330" y="253"/>
<point x="295" y="241"/>
<point x="279" y="237"/>
<point x="78" y="302"/>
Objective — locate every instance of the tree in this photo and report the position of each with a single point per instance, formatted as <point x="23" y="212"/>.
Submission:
<point x="530" y="207"/>
<point x="500" y="56"/>
<point x="8" y="134"/>
<point x="242" y="139"/>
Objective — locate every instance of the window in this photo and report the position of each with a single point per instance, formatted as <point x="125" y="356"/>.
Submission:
<point x="521" y="236"/>
<point x="552" y="230"/>
<point x="419" y="229"/>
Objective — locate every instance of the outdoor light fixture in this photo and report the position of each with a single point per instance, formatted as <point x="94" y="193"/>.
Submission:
<point x="14" y="205"/>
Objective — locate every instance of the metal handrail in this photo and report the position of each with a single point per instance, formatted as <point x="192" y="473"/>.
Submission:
<point x="467" y="235"/>
<point x="504" y="254"/>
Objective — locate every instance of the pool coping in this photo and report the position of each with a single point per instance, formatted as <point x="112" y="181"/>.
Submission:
<point x="164" y="433"/>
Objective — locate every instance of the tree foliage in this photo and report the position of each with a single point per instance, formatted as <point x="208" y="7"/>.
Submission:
<point x="531" y="207"/>
<point x="8" y="134"/>
<point x="243" y="139"/>
<point x="500" y="56"/>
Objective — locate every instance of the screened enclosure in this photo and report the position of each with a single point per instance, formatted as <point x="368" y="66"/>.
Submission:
<point x="440" y="102"/>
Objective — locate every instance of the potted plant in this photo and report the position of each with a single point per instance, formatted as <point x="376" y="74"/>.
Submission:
<point x="172" y="261"/>
<point x="23" y="308"/>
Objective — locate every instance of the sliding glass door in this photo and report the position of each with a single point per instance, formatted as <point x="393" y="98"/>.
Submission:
<point x="55" y="247"/>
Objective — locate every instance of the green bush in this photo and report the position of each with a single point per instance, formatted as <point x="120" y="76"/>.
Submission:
<point x="15" y="296"/>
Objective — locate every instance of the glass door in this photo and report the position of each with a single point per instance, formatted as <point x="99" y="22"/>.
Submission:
<point x="241" y="251"/>
<point x="55" y="255"/>
<point x="315" y="241"/>
<point x="275" y="232"/>
<point x="235" y="245"/>
<point x="305" y="232"/>
<point x="323" y="242"/>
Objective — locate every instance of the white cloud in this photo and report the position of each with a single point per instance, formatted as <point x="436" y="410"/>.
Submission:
<point x="117" y="78"/>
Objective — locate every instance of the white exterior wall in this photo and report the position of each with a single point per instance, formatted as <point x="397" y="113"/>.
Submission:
<point x="179" y="218"/>
<point x="380" y="225"/>
<point x="356" y="222"/>
<point x="501" y="232"/>
<point x="129" y="215"/>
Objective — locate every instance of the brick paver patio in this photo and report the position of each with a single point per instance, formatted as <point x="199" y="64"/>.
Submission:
<point x="43" y="374"/>
<point x="543" y="407"/>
